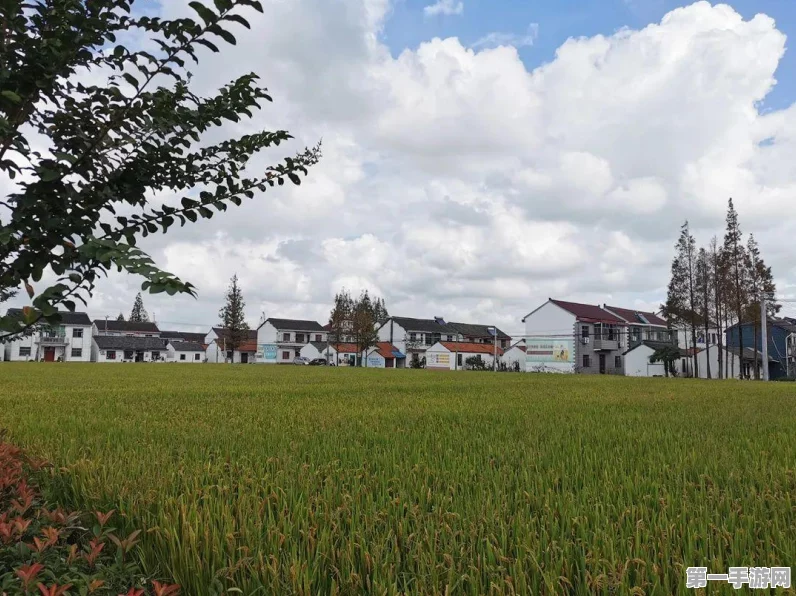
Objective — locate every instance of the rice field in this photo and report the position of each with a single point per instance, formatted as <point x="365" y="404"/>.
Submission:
<point x="298" y="480"/>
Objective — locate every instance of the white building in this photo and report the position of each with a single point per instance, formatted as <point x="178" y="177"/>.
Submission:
<point x="125" y="328"/>
<point x="515" y="356"/>
<point x="385" y="355"/>
<point x="185" y="351"/>
<point x="637" y="360"/>
<point x="69" y="341"/>
<point x="413" y="337"/>
<point x="218" y="348"/>
<point x="453" y="355"/>
<point x="731" y="361"/>
<point x="117" y="348"/>
<point x="279" y="341"/>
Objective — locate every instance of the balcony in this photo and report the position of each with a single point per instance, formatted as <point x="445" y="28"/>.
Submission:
<point x="601" y="343"/>
<point x="53" y="340"/>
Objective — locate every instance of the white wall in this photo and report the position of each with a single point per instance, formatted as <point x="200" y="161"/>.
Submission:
<point x="215" y="354"/>
<point x="11" y="349"/>
<point x="513" y="355"/>
<point x="399" y="334"/>
<point x="637" y="363"/>
<point x="101" y="355"/>
<point x="439" y="357"/>
<point x="174" y="355"/>
<point x="552" y="320"/>
<point x="713" y="354"/>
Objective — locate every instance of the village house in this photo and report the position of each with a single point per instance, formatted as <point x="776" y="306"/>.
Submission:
<point x="279" y="341"/>
<point x="637" y="359"/>
<point x="172" y="336"/>
<point x="413" y="337"/>
<point x="69" y="341"/>
<point x="219" y="349"/>
<point x="125" y="348"/>
<point x="454" y="355"/>
<point x="780" y="331"/>
<point x="481" y="334"/>
<point x="514" y="357"/>
<point x="185" y="351"/>
<point x="335" y="354"/>
<point x="125" y="328"/>
<point x="385" y="355"/>
<point x="570" y="337"/>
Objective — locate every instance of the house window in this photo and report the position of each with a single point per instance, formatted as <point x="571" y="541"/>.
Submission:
<point x="285" y="355"/>
<point x="429" y="339"/>
<point x="450" y="338"/>
<point x="459" y="359"/>
<point x="110" y="355"/>
<point x="586" y="361"/>
<point x="617" y="362"/>
<point x="611" y="336"/>
<point x="155" y="355"/>
<point x="128" y="354"/>
<point x="285" y="337"/>
<point x="584" y="331"/>
<point x="77" y="352"/>
<point x="196" y="356"/>
<point x="412" y="337"/>
<point x="182" y="356"/>
<point x="713" y="338"/>
<point x="24" y="351"/>
<point x="299" y="338"/>
<point x="318" y="337"/>
<point x="598" y="331"/>
<point x="77" y="333"/>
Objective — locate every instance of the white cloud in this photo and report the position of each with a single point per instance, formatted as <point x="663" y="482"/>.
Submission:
<point x="457" y="182"/>
<point x="496" y="38"/>
<point x="446" y="7"/>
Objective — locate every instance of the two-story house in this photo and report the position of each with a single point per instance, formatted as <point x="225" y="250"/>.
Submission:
<point x="565" y="336"/>
<point x="413" y="337"/>
<point x="125" y="328"/>
<point x="69" y="341"/>
<point x="481" y="334"/>
<point x="219" y="349"/>
<point x="780" y="332"/>
<point x="279" y="341"/>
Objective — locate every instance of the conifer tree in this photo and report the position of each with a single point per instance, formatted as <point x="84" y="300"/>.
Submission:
<point x="139" y="313"/>
<point x="120" y="317"/>
<point x="681" y="299"/>
<point x="736" y="261"/>
<point x="704" y="301"/>
<point x="233" y="318"/>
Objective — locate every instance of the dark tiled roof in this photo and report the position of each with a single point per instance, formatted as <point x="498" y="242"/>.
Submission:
<point x="423" y="325"/>
<point x="638" y="317"/>
<point x="321" y="346"/>
<point x="221" y="332"/>
<point x="197" y="338"/>
<point x="468" y="330"/>
<point x="749" y="353"/>
<point x="67" y="318"/>
<point x="125" y="326"/>
<point x="589" y="313"/>
<point x="121" y="342"/>
<point x="186" y="346"/>
<point x="785" y="323"/>
<point x="657" y="345"/>
<point x="295" y="325"/>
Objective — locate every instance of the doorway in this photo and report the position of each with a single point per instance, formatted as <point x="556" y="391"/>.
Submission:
<point x="602" y="364"/>
<point x="49" y="354"/>
<point x="244" y="358"/>
<point x="139" y="356"/>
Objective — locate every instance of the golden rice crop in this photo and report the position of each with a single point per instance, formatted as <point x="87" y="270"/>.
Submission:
<point x="280" y="480"/>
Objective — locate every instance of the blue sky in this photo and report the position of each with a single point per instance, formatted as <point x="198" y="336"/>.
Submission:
<point x="558" y="20"/>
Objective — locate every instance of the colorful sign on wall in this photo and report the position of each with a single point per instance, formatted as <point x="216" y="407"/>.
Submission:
<point x="375" y="361"/>
<point x="269" y="351"/>
<point x="550" y="350"/>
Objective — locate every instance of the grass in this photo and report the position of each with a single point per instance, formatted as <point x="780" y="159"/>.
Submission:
<point x="322" y="481"/>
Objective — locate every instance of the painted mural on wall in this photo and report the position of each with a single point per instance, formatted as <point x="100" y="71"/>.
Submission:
<point x="550" y="350"/>
<point x="269" y="351"/>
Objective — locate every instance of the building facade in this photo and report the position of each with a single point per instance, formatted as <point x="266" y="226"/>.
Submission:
<point x="413" y="337"/>
<point x="69" y="341"/>
<point x="279" y="341"/>
<point x="121" y="348"/>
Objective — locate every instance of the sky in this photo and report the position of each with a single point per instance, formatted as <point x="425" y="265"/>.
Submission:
<point x="481" y="156"/>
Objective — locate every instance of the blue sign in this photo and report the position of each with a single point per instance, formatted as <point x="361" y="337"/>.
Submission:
<point x="269" y="352"/>
<point x="374" y="361"/>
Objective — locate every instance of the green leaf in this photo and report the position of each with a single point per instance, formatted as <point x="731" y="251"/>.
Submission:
<point x="65" y="156"/>
<point x="130" y="79"/>
<point x="11" y="95"/>
<point x="207" y="15"/>
<point x="238" y="19"/>
<point x="208" y="44"/>
<point x="223" y="33"/>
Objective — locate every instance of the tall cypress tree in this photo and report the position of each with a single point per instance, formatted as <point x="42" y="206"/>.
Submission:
<point x="233" y="319"/>
<point x="735" y="254"/>
<point x="717" y="292"/>
<point x="681" y="299"/>
<point x="138" y="314"/>
<point x="704" y="302"/>
<point x="760" y="282"/>
<point x="120" y="317"/>
<point x="340" y="319"/>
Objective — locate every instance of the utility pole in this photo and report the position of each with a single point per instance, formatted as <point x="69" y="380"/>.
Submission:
<point x="763" y="334"/>
<point x="494" y="356"/>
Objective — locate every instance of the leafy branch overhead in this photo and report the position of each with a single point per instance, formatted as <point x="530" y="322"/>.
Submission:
<point x="81" y="204"/>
